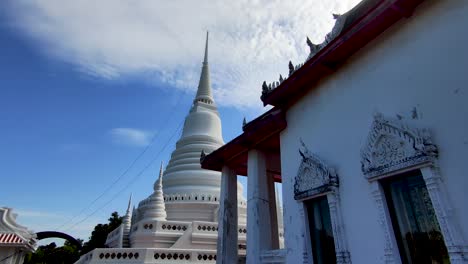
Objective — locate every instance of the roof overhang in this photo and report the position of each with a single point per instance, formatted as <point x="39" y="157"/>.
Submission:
<point x="262" y="134"/>
<point x="373" y="21"/>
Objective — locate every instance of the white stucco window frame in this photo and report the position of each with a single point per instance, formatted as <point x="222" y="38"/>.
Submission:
<point x="393" y="148"/>
<point x="315" y="179"/>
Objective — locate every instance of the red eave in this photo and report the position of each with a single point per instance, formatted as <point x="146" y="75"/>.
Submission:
<point x="375" y="21"/>
<point x="261" y="133"/>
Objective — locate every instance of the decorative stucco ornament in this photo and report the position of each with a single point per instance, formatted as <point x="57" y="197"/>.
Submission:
<point x="314" y="48"/>
<point x="392" y="145"/>
<point x="314" y="176"/>
<point x="340" y="21"/>
<point x="291" y="68"/>
<point x="337" y="28"/>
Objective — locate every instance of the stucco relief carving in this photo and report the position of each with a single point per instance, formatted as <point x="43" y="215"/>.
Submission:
<point x="341" y="247"/>
<point x="456" y="245"/>
<point x="390" y="247"/>
<point x="392" y="145"/>
<point x="314" y="177"/>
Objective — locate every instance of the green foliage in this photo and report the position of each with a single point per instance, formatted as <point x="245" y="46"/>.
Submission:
<point x="100" y="232"/>
<point x="68" y="253"/>
<point x="51" y="254"/>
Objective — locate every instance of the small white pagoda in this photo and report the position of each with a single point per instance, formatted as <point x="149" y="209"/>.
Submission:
<point x="178" y="222"/>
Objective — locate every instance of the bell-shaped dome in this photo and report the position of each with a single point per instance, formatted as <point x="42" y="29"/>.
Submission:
<point x="192" y="193"/>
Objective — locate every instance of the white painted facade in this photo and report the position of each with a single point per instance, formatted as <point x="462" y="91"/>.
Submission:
<point x="398" y="104"/>
<point x="416" y="71"/>
<point x="15" y="240"/>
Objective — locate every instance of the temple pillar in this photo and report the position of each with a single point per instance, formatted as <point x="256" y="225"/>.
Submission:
<point x="262" y="227"/>
<point x="227" y="248"/>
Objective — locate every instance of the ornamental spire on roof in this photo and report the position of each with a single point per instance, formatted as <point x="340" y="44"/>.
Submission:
<point x="204" y="86"/>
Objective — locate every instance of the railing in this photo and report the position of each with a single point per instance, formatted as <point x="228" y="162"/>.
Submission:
<point x="179" y="226"/>
<point x="212" y="227"/>
<point x="195" y="197"/>
<point x="135" y="255"/>
<point x="162" y="226"/>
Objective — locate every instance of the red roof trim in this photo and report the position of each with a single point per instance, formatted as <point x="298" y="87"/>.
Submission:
<point x="255" y="132"/>
<point x="10" y="238"/>
<point x="376" y="20"/>
<point x="372" y="23"/>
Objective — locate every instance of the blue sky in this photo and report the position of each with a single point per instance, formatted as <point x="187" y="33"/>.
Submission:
<point x="84" y="90"/>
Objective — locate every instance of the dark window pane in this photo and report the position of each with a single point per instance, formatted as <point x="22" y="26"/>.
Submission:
<point x="321" y="233"/>
<point x="414" y="221"/>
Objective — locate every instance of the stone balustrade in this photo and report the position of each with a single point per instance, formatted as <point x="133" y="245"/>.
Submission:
<point x="162" y="226"/>
<point x="137" y="255"/>
<point x="195" y="197"/>
<point x="212" y="227"/>
<point x="173" y="226"/>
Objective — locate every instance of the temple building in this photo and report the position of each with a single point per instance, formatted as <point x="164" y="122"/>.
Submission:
<point x="178" y="222"/>
<point x="15" y="240"/>
<point x="369" y="138"/>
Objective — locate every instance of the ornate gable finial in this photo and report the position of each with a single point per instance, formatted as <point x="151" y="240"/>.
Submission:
<point x="393" y="145"/>
<point x="291" y="68"/>
<point x="265" y="90"/>
<point x="337" y="28"/>
<point x="314" y="49"/>
<point x="244" y="122"/>
<point x="314" y="177"/>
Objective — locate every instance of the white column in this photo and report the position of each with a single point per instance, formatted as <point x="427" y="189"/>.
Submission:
<point x="259" y="209"/>
<point x="227" y="222"/>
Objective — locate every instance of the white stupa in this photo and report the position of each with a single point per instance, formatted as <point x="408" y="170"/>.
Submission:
<point x="177" y="223"/>
<point x="192" y="192"/>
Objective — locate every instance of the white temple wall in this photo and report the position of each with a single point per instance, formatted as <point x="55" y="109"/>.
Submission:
<point x="417" y="69"/>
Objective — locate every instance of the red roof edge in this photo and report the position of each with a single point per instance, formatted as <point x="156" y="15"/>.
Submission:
<point x="255" y="132"/>
<point x="370" y="24"/>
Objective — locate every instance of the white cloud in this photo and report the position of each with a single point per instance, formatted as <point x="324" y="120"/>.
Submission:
<point x="251" y="40"/>
<point x="130" y="136"/>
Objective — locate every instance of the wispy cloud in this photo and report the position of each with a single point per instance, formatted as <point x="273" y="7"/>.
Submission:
<point x="44" y="220"/>
<point x="40" y="214"/>
<point x="130" y="136"/>
<point x="251" y="41"/>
